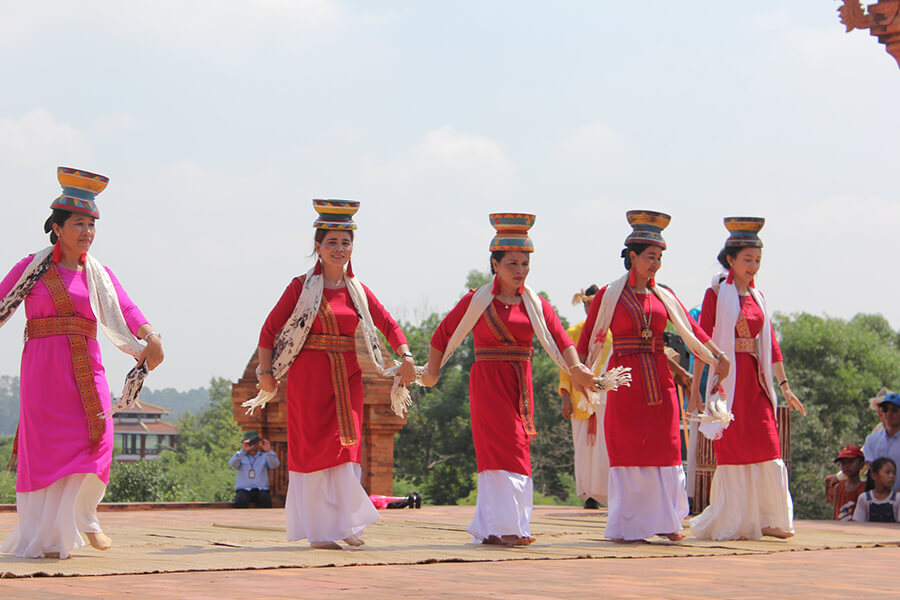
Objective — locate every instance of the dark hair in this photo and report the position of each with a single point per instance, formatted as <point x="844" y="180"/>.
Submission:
<point x="731" y="251"/>
<point x="727" y="251"/>
<point x="636" y="248"/>
<point x="875" y="467"/>
<point x="591" y="290"/>
<point x="498" y="256"/>
<point x="59" y="217"/>
<point x="319" y="237"/>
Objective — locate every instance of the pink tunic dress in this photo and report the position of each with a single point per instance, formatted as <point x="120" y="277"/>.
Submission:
<point x="640" y="434"/>
<point x="313" y="436"/>
<point x="53" y="437"/>
<point x="753" y="435"/>
<point x="498" y="430"/>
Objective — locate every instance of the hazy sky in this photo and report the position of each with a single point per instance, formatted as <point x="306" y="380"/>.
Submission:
<point x="219" y="122"/>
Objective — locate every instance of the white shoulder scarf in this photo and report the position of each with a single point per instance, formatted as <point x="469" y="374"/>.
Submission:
<point x="104" y="304"/>
<point x="481" y="300"/>
<point x="293" y="335"/>
<point x="604" y="317"/>
<point x="728" y="306"/>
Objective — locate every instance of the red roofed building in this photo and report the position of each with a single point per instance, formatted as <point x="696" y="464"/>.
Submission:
<point x="141" y="433"/>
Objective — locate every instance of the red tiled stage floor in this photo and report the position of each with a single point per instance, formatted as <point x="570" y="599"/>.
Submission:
<point x="223" y="554"/>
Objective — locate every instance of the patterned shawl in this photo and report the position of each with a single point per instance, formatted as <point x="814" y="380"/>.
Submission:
<point x="104" y="304"/>
<point x="296" y="329"/>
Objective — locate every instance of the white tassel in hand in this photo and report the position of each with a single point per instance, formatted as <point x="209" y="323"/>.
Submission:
<point x="400" y="398"/>
<point x="608" y="382"/>
<point x="613" y="378"/>
<point x="260" y="401"/>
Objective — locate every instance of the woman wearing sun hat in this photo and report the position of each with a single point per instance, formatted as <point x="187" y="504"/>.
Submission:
<point x="750" y="497"/>
<point x="309" y="336"/>
<point x="63" y="446"/>
<point x="504" y="316"/>
<point x="646" y="479"/>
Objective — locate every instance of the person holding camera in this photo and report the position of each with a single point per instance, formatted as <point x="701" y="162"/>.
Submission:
<point x="252" y="462"/>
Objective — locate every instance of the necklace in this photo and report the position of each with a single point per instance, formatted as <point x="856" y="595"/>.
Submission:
<point x="646" y="332"/>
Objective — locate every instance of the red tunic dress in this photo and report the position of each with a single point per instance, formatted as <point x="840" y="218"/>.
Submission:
<point x="313" y="437"/>
<point x="498" y="430"/>
<point x="753" y="435"/>
<point x="638" y="433"/>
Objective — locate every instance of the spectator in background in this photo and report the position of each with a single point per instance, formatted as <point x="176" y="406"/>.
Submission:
<point x="887" y="441"/>
<point x="879" y="503"/>
<point x="842" y="490"/>
<point x="252" y="462"/>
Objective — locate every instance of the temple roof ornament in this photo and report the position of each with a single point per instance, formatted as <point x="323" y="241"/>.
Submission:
<point x="882" y="19"/>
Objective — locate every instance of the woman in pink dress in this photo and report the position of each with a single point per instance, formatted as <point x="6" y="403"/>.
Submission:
<point x="750" y="497"/>
<point x="504" y="317"/>
<point x="64" y="442"/>
<point x="646" y="479"/>
<point x="318" y="315"/>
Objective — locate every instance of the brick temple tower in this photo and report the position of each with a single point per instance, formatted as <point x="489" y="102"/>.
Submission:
<point x="379" y="425"/>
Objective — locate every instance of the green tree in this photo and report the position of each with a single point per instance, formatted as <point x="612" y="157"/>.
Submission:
<point x="198" y="470"/>
<point x="9" y="404"/>
<point x="7" y="478"/>
<point x="434" y="449"/>
<point x="207" y="441"/>
<point x="141" y="481"/>
<point x="834" y="367"/>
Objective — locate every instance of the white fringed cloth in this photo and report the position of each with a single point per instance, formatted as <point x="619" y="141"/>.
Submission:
<point x="293" y="335"/>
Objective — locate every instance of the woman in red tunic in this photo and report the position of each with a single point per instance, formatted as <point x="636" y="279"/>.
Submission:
<point x="750" y="496"/>
<point x="646" y="479"/>
<point x="504" y="316"/>
<point x="325" y="500"/>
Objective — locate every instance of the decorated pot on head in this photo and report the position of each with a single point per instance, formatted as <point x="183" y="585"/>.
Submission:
<point x="79" y="190"/>
<point x="512" y="232"/>
<point x="335" y="214"/>
<point x="647" y="226"/>
<point x="744" y="232"/>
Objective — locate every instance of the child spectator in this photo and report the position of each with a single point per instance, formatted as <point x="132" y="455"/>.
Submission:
<point x="879" y="504"/>
<point x="843" y="490"/>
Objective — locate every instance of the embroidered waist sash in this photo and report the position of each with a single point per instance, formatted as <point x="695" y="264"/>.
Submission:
<point x="510" y="353"/>
<point x="50" y="326"/>
<point x="71" y="325"/>
<point x="330" y="343"/>
<point x="745" y="345"/>
<point x="635" y="344"/>
<point x="516" y="355"/>
<point x="334" y="345"/>
<point x="645" y="348"/>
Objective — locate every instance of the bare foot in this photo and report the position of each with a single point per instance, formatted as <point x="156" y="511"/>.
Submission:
<point x="492" y="540"/>
<point x="516" y="540"/>
<point x="325" y="545"/>
<point x="51" y="554"/>
<point x="674" y="537"/>
<point x="777" y="532"/>
<point x="99" y="540"/>
<point x="354" y="540"/>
